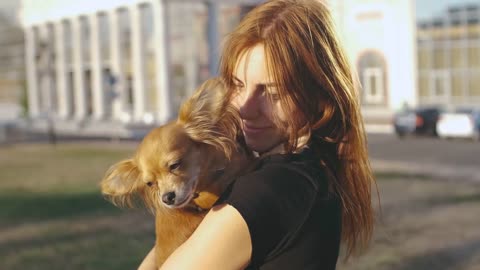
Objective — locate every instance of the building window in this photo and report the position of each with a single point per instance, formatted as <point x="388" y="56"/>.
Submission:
<point x="440" y="83"/>
<point x="458" y="81"/>
<point x="373" y="78"/>
<point x="423" y="85"/>
<point x="474" y="57"/>
<point x="373" y="85"/>
<point x="457" y="56"/>
<point x="423" y="58"/>
<point x="474" y="83"/>
<point x="439" y="57"/>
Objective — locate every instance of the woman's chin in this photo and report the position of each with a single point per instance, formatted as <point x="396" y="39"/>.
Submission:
<point x="260" y="148"/>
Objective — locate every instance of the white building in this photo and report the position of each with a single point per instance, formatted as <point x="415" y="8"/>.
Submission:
<point x="111" y="67"/>
<point x="380" y="39"/>
<point x="108" y="67"/>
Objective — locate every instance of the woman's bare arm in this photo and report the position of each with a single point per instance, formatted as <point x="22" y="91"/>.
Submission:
<point x="221" y="241"/>
<point x="149" y="262"/>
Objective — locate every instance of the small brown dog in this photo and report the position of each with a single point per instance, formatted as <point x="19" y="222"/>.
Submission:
<point x="180" y="169"/>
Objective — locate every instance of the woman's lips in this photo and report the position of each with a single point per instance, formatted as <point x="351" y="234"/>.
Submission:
<point x="251" y="129"/>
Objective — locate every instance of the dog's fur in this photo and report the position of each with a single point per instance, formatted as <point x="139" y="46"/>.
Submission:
<point x="180" y="169"/>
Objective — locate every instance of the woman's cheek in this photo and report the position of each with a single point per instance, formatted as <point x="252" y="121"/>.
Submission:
<point x="279" y="111"/>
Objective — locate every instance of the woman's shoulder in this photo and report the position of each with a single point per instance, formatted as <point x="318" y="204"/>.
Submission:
<point x="300" y="169"/>
<point x="278" y="184"/>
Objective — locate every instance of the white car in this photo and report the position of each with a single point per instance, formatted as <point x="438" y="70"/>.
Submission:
<point x="462" y="123"/>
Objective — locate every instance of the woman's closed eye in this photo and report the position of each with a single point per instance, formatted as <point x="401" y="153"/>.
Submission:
<point x="272" y="94"/>
<point x="237" y="83"/>
<point x="238" y="87"/>
<point x="269" y="92"/>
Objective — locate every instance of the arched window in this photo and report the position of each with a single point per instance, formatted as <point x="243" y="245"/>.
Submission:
<point x="373" y="78"/>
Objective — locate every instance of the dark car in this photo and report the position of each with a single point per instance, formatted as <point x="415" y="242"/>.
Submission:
<point x="420" y="121"/>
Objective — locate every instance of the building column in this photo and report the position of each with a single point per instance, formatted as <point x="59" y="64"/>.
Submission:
<point x="117" y="80"/>
<point x="98" y="93"/>
<point x="213" y="39"/>
<point x="162" y="61"/>
<point x="63" y="92"/>
<point x="78" y="69"/>
<point x="46" y="70"/>
<point x="191" y="61"/>
<point x="138" y="59"/>
<point x="31" y="70"/>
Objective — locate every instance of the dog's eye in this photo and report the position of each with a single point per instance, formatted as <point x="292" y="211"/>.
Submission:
<point x="174" y="165"/>
<point x="149" y="183"/>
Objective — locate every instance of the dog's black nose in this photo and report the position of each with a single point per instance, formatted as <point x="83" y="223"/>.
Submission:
<point x="169" y="198"/>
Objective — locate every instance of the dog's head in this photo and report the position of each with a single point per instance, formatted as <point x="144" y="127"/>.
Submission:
<point x="173" y="161"/>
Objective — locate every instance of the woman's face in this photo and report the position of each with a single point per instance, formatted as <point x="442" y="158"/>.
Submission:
<point x="257" y="101"/>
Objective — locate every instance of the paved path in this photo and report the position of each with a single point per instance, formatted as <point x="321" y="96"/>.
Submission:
<point x="455" y="160"/>
<point x="453" y="172"/>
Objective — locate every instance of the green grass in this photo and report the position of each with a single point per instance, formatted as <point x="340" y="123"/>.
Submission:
<point x="14" y="206"/>
<point x="52" y="215"/>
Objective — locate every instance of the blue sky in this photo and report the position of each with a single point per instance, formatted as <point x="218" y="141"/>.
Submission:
<point x="429" y="8"/>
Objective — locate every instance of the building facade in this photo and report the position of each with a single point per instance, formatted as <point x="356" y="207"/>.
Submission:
<point x="449" y="57"/>
<point x="12" y="67"/>
<point x="113" y="67"/>
<point x="401" y="62"/>
<point x="379" y="37"/>
<point x="108" y="67"/>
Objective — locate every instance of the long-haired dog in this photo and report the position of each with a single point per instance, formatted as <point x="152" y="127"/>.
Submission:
<point x="180" y="168"/>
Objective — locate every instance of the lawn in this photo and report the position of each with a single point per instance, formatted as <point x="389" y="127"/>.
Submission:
<point x="52" y="216"/>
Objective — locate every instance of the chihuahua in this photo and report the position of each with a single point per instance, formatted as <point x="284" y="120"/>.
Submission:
<point x="180" y="169"/>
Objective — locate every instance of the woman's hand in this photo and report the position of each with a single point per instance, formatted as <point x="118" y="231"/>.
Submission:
<point x="221" y="241"/>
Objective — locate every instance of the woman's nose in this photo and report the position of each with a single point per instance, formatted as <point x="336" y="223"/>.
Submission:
<point x="249" y="107"/>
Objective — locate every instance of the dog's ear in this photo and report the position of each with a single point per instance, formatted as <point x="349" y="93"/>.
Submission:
<point x="208" y="119"/>
<point x="121" y="183"/>
<point x="207" y="101"/>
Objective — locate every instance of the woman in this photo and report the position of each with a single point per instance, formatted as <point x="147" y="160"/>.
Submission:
<point x="292" y="85"/>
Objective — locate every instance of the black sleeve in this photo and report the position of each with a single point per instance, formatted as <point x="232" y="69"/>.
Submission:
<point x="274" y="201"/>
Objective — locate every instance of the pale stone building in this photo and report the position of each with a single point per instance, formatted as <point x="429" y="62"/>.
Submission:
<point x="404" y="62"/>
<point x="108" y="67"/>
<point x="99" y="67"/>
<point x="113" y="67"/>
<point x="449" y="57"/>
<point x="12" y="83"/>
<point x="380" y="39"/>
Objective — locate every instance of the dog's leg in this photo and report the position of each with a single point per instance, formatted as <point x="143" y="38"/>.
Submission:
<point x="173" y="227"/>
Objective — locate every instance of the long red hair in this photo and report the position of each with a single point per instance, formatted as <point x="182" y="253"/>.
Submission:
<point x="314" y="77"/>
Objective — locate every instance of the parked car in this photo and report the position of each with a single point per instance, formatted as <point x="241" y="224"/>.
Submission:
<point x="419" y="121"/>
<point x="460" y="123"/>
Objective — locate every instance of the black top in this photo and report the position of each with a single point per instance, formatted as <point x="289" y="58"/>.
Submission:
<point x="294" y="222"/>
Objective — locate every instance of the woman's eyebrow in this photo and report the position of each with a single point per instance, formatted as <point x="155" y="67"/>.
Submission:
<point x="266" y="84"/>
<point x="270" y="84"/>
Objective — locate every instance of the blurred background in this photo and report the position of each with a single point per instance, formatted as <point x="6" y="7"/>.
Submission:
<point x="82" y="82"/>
